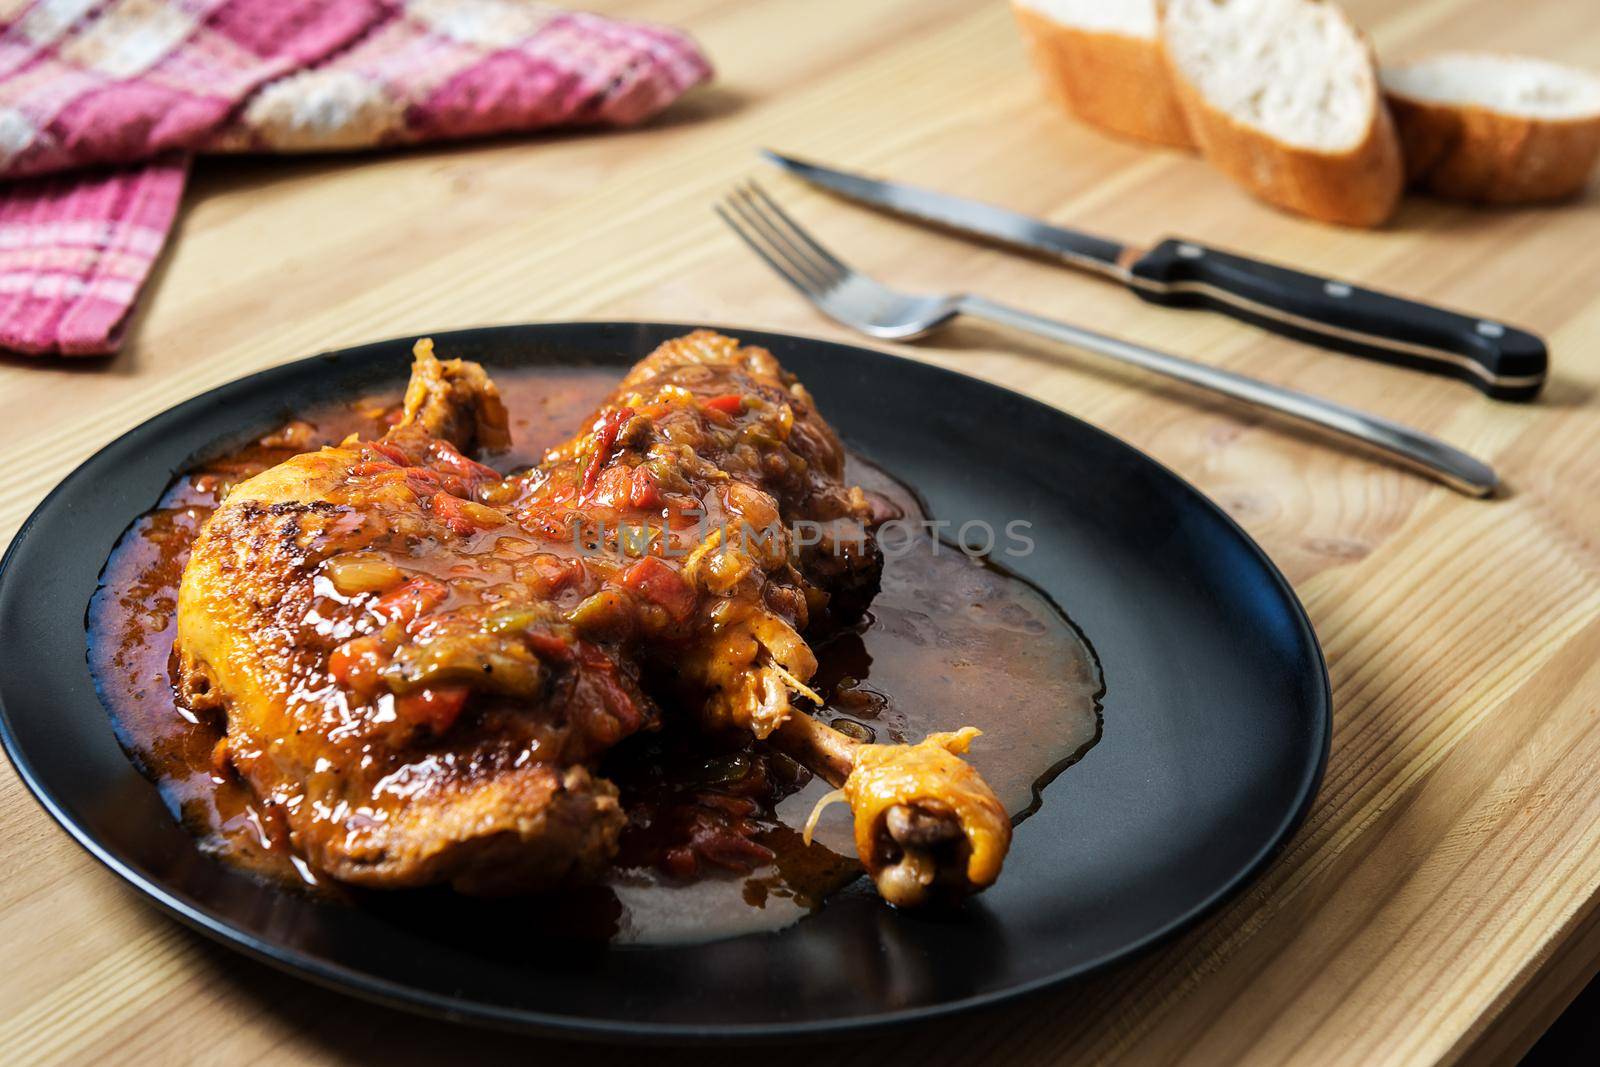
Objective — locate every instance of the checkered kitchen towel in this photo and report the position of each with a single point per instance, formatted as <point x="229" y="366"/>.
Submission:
<point x="102" y="104"/>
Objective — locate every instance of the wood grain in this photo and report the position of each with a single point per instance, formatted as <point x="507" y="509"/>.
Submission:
<point x="1440" y="903"/>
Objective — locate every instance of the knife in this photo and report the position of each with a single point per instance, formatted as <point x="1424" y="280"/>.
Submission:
<point x="1502" y="361"/>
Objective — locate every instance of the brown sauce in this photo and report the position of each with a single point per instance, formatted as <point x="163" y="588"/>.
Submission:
<point x="949" y="641"/>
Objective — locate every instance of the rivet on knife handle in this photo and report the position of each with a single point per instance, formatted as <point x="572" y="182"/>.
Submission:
<point x="1502" y="361"/>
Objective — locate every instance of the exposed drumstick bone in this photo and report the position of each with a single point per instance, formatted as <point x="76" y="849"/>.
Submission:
<point x="926" y="825"/>
<point x="826" y="752"/>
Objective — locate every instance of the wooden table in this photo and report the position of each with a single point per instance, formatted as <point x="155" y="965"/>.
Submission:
<point x="1440" y="902"/>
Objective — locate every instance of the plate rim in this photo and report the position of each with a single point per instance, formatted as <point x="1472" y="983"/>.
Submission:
<point x="396" y="995"/>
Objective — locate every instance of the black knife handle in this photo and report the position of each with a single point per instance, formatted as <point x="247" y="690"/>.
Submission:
<point x="1502" y="361"/>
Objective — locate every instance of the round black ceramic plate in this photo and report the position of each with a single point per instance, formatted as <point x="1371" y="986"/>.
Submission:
<point x="1216" y="719"/>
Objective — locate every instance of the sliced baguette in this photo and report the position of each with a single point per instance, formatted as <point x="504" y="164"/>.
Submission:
<point x="1102" y="61"/>
<point x="1496" y="129"/>
<point x="1282" y="96"/>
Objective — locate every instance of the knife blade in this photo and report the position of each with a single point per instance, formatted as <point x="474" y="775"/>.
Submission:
<point x="1502" y="361"/>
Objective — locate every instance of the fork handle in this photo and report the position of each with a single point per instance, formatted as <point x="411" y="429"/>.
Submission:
<point x="1433" y="457"/>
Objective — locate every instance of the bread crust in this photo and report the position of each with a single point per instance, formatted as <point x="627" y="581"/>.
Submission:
<point x="1117" y="83"/>
<point x="1473" y="153"/>
<point x="1360" y="186"/>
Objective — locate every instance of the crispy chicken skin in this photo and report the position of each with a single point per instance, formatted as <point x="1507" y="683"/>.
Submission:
<point x="421" y="662"/>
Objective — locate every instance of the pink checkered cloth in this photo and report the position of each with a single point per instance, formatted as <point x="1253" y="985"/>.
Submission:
<point x="102" y="103"/>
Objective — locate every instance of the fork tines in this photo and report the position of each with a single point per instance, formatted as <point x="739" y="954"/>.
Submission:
<point x="778" y="239"/>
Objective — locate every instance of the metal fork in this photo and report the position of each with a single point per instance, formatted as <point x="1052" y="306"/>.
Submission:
<point x="862" y="303"/>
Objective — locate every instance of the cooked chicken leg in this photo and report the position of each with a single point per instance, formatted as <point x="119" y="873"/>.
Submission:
<point x="421" y="662"/>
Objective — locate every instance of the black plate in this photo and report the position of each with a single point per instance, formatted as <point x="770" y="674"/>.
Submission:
<point x="1217" y="719"/>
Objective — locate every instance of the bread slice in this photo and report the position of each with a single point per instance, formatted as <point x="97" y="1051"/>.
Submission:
<point x="1496" y="129"/>
<point x="1102" y="60"/>
<point x="1282" y="95"/>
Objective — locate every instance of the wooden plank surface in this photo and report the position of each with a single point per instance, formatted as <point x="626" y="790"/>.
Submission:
<point x="1440" y="902"/>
